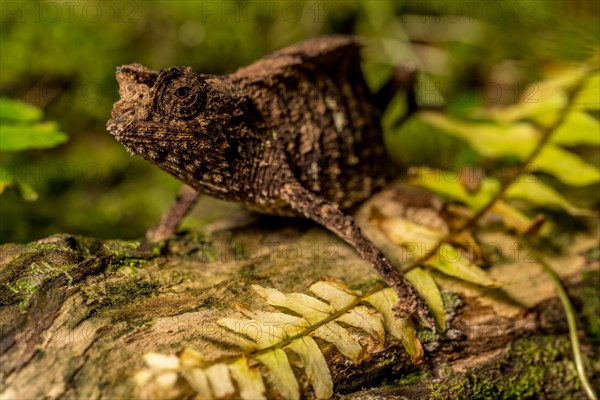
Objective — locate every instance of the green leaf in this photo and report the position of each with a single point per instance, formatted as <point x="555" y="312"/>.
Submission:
<point x="14" y="110"/>
<point x="248" y="379"/>
<point x="512" y="217"/>
<point x="542" y="101"/>
<point x="383" y="301"/>
<point x="315" y="366"/>
<point x="488" y="139"/>
<point x="559" y="81"/>
<point x="23" y="137"/>
<point x="416" y="142"/>
<point x="530" y="188"/>
<point x="26" y="191"/>
<point x="281" y="373"/>
<point x="448" y="184"/>
<point x="488" y="189"/>
<point x="451" y="262"/>
<point x="535" y="105"/>
<point x="588" y="97"/>
<point x="4" y="185"/>
<point x="578" y="128"/>
<point x="436" y="181"/>
<point x="23" y="189"/>
<point x="6" y="182"/>
<point x="424" y="284"/>
<point x="566" y="166"/>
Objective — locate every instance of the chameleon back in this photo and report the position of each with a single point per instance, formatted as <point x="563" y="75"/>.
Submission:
<point x="314" y="102"/>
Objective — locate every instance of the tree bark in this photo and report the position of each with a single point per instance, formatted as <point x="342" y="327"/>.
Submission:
<point x="78" y="313"/>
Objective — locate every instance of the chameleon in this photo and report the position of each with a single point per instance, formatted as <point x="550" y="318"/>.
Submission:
<point x="297" y="133"/>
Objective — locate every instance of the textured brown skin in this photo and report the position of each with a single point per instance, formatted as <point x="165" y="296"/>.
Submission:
<point x="296" y="133"/>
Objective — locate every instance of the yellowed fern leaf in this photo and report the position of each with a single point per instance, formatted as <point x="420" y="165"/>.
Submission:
<point x="197" y="379"/>
<point x="281" y="373"/>
<point x="267" y="338"/>
<point x="249" y="380"/>
<point x="315" y="366"/>
<point x="383" y="301"/>
<point x="369" y="321"/>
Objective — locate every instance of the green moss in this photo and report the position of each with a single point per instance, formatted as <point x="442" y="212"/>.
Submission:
<point x="590" y="311"/>
<point x="158" y="249"/>
<point x="531" y="369"/>
<point x="132" y="263"/>
<point x="131" y="254"/>
<point x="412" y="378"/>
<point x="25" y="287"/>
<point x="59" y="257"/>
<point x="427" y="335"/>
<point x="122" y="248"/>
<point x="126" y="293"/>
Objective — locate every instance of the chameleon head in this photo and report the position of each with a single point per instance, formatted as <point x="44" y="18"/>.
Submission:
<point x="175" y="118"/>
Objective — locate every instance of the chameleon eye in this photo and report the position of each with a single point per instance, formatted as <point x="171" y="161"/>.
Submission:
<point x="180" y="94"/>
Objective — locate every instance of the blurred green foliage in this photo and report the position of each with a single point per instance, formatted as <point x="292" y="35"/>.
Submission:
<point x="61" y="57"/>
<point x="20" y="129"/>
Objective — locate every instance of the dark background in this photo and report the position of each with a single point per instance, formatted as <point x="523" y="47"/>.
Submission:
<point x="61" y="57"/>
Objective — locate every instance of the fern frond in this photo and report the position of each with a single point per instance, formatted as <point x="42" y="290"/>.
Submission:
<point x="532" y="132"/>
<point x="267" y="338"/>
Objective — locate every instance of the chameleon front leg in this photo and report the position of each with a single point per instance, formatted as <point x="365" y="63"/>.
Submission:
<point x="331" y="217"/>
<point x="184" y="203"/>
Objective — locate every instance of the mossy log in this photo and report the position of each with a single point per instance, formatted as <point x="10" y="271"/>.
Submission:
<point x="77" y="313"/>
